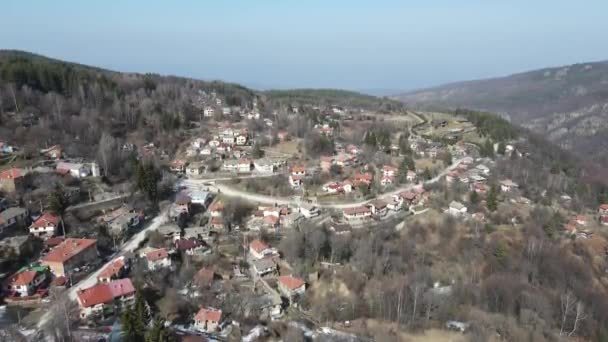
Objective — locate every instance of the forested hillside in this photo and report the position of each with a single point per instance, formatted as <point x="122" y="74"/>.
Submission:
<point x="568" y="104"/>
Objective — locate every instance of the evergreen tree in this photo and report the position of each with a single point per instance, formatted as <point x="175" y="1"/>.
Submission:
<point x="474" y="197"/>
<point x="158" y="333"/>
<point x="58" y="202"/>
<point x="501" y="149"/>
<point x="492" y="199"/>
<point x="426" y="174"/>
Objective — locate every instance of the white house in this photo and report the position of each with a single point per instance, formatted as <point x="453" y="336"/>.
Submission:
<point x="209" y="111"/>
<point x="241" y="140"/>
<point x="309" y="210"/>
<point x="357" y="213"/>
<point x="264" y="165"/>
<point x="45" y="226"/>
<point x="508" y="185"/>
<point x="195" y="169"/>
<point x="208" y="320"/>
<point x="291" y="286"/>
<point x="244" y="165"/>
<point x="76" y="170"/>
<point x="157" y="259"/>
<point x="457" y="209"/>
<point x="259" y="249"/>
<point x="26" y="283"/>
<point x="230" y="165"/>
<point x="264" y="266"/>
<point x="389" y="171"/>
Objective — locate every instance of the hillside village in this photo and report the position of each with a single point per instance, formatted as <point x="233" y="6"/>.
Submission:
<point x="264" y="213"/>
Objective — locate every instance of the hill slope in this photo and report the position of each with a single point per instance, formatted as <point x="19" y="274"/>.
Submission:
<point x="569" y="104"/>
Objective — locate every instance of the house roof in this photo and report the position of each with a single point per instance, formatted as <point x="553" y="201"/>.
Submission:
<point x="378" y="203"/>
<point x="11" y="213"/>
<point x="208" y="315"/>
<point x="604" y="206"/>
<point x="290" y="282"/>
<point x="182" y="199"/>
<point x="389" y="168"/>
<point x="13" y="173"/>
<point x="356" y="210"/>
<point x="105" y="292"/>
<point x="157" y="254"/>
<point x="48" y="219"/>
<point x="68" y="249"/>
<point x="186" y="244"/>
<point x="263" y="264"/>
<point x="457" y="205"/>
<point x="217" y="221"/>
<point x="204" y="276"/>
<point x="23" y="278"/>
<point x="113" y="268"/>
<point x="408" y="195"/>
<point x="367" y="177"/>
<point x="216" y="206"/>
<point x="298" y="168"/>
<point x="258" y="246"/>
<point x="54" y="241"/>
<point x="271" y="220"/>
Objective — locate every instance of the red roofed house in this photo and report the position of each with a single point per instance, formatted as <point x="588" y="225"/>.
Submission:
<point x="204" y="277"/>
<point x="326" y="163"/>
<point x="217" y="223"/>
<point x="378" y="207"/>
<point x="178" y="166"/>
<point x="259" y="249"/>
<point x="581" y="220"/>
<point x="363" y="178"/>
<point x="208" y="319"/>
<point x="45" y="226"/>
<point x="603" y="209"/>
<point x="69" y="254"/>
<point x="604" y="220"/>
<point x="411" y="176"/>
<point x="291" y="286"/>
<point x="298" y="170"/>
<point x="25" y="283"/>
<point x="157" y="259"/>
<point x="113" y="270"/>
<point x="216" y="209"/>
<point x="102" y="297"/>
<point x="357" y="213"/>
<point x="12" y="180"/>
<point x="389" y="171"/>
<point x="190" y="246"/>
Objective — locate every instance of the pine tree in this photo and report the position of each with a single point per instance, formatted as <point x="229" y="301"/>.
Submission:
<point x="58" y="202"/>
<point x="474" y="197"/>
<point x="492" y="199"/>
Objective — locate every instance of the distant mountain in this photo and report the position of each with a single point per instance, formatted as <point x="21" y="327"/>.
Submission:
<point x="569" y="104"/>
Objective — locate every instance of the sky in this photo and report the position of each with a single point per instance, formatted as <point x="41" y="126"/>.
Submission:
<point x="384" y="45"/>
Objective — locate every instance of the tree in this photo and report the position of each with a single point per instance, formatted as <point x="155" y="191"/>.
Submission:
<point x="108" y="148"/>
<point x="158" y="332"/>
<point x="256" y="151"/>
<point x="474" y="197"/>
<point x="147" y="177"/>
<point x="58" y="202"/>
<point x="492" y="198"/>
<point x="130" y="329"/>
<point x="501" y="149"/>
<point x="426" y="174"/>
<point x="404" y="144"/>
<point x="446" y="158"/>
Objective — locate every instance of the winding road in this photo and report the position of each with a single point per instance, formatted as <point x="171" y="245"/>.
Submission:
<point x="226" y="190"/>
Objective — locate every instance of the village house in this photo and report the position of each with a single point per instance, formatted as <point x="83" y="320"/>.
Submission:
<point x="457" y="209"/>
<point x="581" y="220"/>
<point x="208" y="112"/>
<point x="345" y="159"/>
<point x="309" y="210"/>
<point x="378" y="207"/>
<point x="208" y="320"/>
<point x="230" y="165"/>
<point x="195" y="169"/>
<point x="264" y="165"/>
<point x="101" y="299"/>
<point x="12" y="217"/>
<point x="291" y="287"/>
<point x="178" y="166"/>
<point x="190" y="247"/>
<point x="394" y="204"/>
<point x="603" y="210"/>
<point x="157" y="259"/>
<point x="352" y="149"/>
<point x="206" y="151"/>
<point x="264" y="266"/>
<point x="27" y="282"/>
<point x="295" y="181"/>
<point x="45" y="226"/>
<point x="326" y="130"/>
<point x="200" y="197"/>
<point x="53" y="152"/>
<point x="387" y="180"/>
<point x="389" y="171"/>
<point x="508" y="185"/>
<point x="12" y="180"/>
<point x="216" y="223"/>
<point x="244" y="165"/>
<point x="182" y="203"/>
<point x="116" y="269"/>
<point x="259" y="250"/>
<point x="70" y="254"/>
<point x="357" y="214"/>
<point x="411" y="176"/>
<point x="363" y="178"/>
<point x="204" y="277"/>
<point x="241" y="139"/>
<point x="216" y="209"/>
<point x="283" y="136"/>
<point x="198" y="143"/>
<point x="326" y="162"/>
<point x="76" y="170"/>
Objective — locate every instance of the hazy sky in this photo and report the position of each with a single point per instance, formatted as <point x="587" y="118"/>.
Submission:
<point x="380" y="44"/>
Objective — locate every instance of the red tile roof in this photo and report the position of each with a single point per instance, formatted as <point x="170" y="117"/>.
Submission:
<point x="157" y="254"/>
<point x="298" y="169"/>
<point x="113" y="268"/>
<point x="105" y="292"/>
<point x="68" y="249"/>
<point x="604" y="206"/>
<point x="356" y="210"/>
<point x="208" y="315"/>
<point x="23" y="278"/>
<point x="290" y="282"/>
<point x="54" y="241"/>
<point x="389" y="168"/>
<point x="271" y="220"/>
<point x="204" y="276"/>
<point x="11" y="174"/>
<point x="258" y="246"/>
<point x="216" y="206"/>
<point x="187" y="244"/>
<point x="46" y="220"/>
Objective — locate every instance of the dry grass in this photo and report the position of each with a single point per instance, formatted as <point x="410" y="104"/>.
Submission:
<point x="423" y="163"/>
<point x="382" y="331"/>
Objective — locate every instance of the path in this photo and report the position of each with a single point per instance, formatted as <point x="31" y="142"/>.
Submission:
<point x="272" y="200"/>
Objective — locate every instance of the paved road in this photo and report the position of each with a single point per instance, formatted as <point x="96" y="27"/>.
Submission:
<point x="128" y="246"/>
<point x="226" y="190"/>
